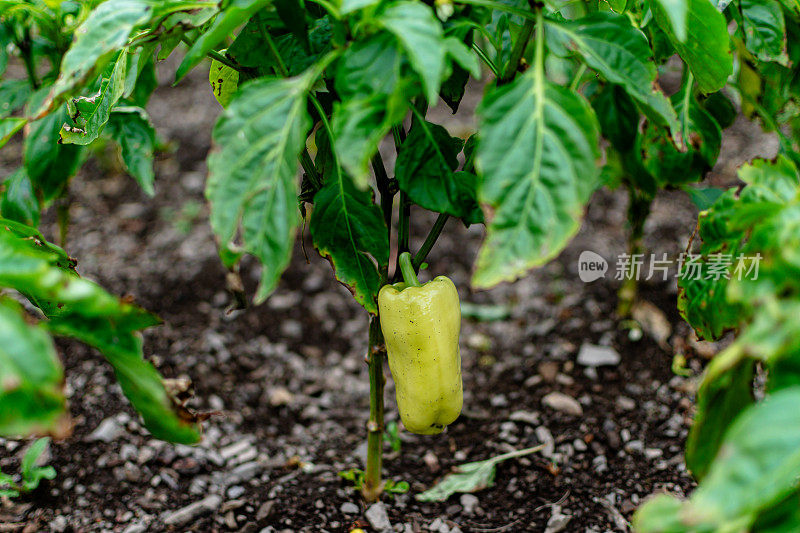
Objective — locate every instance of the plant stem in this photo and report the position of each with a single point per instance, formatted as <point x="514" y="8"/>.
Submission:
<point x="26" y="51"/>
<point x="485" y="59"/>
<point x="638" y="209"/>
<point x="404" y="226"/>
<point x="407" y="268"/>
<point x="578" y="75"/>
<point x="280" y="66"/>
<point x="430" y="240"/>
<point x="387" y="197"/>
<point x="373" y="486"/>
<point x="517" y="53"/>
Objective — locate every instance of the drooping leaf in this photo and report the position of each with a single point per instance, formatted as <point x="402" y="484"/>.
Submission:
<point x="18" y="201"/>
<point x="80" y="309"/>
<point x="420" y="34"/>
<point x="425" y="170"/>
<point x="32" y="396"/>
<point x="764" y="30"/>
<point x="348" y="228"/>
<point x="232" y="15"/>
<point x="252" y="172"/>
<point x="470" y="477"/>
<point x="131" y="128"/>
<point x="706" y="49"/>
<point x="537" y="160"/>
<point x="618" y="116"/>
<point x="612" y="46"/>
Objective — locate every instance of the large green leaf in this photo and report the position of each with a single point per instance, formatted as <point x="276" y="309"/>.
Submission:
<point x="726" y="390"/>
<point x="706" y="48"/>
<point x="425" y="170"/>
<point x="348" y="228"/>
<point x="32" y="396"/>
<point x="234" y="14"/>
<point x="764" y="30"/>
<point x="18" y="201"/>
<point x="758" y="466"/>
<point x="420" y="33"/>
<point x="49" y="163"/>
<point x="133" y="131"/>
<point x="89" y="115"/>
<point x="675" y="11"/>
<point x="253" y="169"/>
<point x="81" y="309"/>
<point x="612" y="46"/>
<point x="537" y="157"/>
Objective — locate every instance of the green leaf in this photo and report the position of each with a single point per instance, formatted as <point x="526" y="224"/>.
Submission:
<point x="425" y="170"/>
<point x="703" y="198"/>
<point x="131" y="128"/>
<point x="706" y="49"/>
<point x="252" y="172"/>
<point x="224" y="82"/>
<point x="359" y="125"/>
<point x="103" y="33"/>
<point x="537" y="158"/>
<point x="49" y="163"/>
<point x="612" y="46"/>
<point x="293" y="15"/>
<point x="347" y="227"/>
<point x="32" y="473"/>
<point x="419" y="32"/>
<point x="676" y="12"/>
<point x="726" y="390"/>
<point x="18" y="201"/>
<point x="32" y="397"/>
<point x="82" y="310"/>
<point x="91" y="113"/>
<point x="764" y="30"/>
<point x="234" y="14"/>
<point x="348" y="6"/>
<point x="9" y="127"/>
<point x="13" y="95"/>
<point x="470" y="477"/>
<point x="618" y="116"/>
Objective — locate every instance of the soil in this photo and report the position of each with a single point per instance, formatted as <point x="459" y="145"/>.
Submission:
<point x="290" y="383"/>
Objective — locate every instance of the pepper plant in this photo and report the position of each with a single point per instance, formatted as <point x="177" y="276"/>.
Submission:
<point x="318" y="85"/>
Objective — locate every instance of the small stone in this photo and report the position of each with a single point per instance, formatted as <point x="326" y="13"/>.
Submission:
<point x="469" y="502"/>
<point x="59" y="524"/>
<point x="107" y="431"/>
<point x="592" y="355"/>
<point x="235" y="491"/>
<point x="439" y="526"/>
<point x="377" y="517"/>
<point x="265" y="510"/>
<point x="600" y="464"/>
<point x="243" y="472"/>
<point x="190" y="512"/>
<point x="545" y="438"/>
<point x="548" y="370"/>
<point x="135" y="528"/>
<point x="625" y="403"/>
<point x="526" y="417"/>
<point x="563" y="403"/>
<point x="558" y="521"/>
<point x="349" y="508"/>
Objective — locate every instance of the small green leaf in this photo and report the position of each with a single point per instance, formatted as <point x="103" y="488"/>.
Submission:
<point x="234" y="14"/>
<point x="32" y="473"/>
<point x="224" y="82"/>
<point x="703" y="198"/>
<point x="764" y="30"/>
<point x="470" y="477"/>
<point x="9" y="127"/>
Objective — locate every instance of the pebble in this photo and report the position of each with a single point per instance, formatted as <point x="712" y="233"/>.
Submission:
<point x="625" y="403"/>
<point x="558" y="520"/>
<point x="235" y="491"/>
<point x="526" y="417"/>
<point x="190" y="512"/>
<point x="377" y="517"/>
<point x="349" y="508"/>
<point x="439" y="526"/>
<point x="544" y="437"/>
<point x="135" y="528"/>
<point x="469" y="502"/>
<point x="243" y="472"/>
<point x="563" y="403"/>
<point x="107" y="431"/>
<point x="59" y="524"/>
<point x="592" y="355"/>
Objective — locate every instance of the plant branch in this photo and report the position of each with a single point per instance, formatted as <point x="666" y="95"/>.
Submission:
<point x="578" y="75"/>
<point x="26" y="51"/>
<point x="517" y="52"/>
<point x="373" y="486"/>
<point x="430" y="240"/>
<point x="385" y="190"/>
<point x="485" y="58"/>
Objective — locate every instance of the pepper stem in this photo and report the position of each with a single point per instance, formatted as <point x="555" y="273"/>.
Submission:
<point x="407" y="268"/>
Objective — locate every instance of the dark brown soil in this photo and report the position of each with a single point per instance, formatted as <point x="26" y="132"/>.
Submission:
<point x="290" y="380"/>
